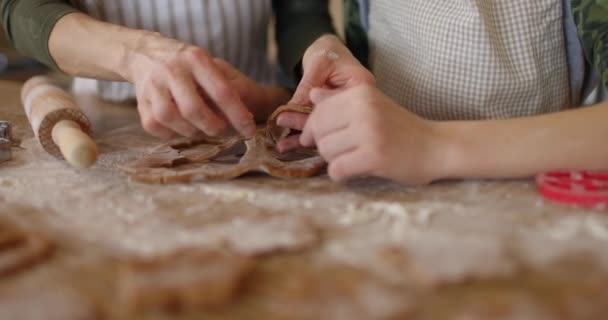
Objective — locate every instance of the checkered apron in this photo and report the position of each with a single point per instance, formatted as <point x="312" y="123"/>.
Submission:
<point x="234" y="30"/>
<point x="471" y="59"/>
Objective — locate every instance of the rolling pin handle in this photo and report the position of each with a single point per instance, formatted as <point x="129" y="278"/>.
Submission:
<point x="77" y="147"/>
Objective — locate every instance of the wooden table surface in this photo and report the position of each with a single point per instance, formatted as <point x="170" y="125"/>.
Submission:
<point x="367" y="250"/>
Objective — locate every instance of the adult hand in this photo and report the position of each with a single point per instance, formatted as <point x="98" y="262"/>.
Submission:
<point x="260" y="99"/>
<point x="327" y="63"/>
<point x="181" y="90"/>
<point x="362" y="132"/>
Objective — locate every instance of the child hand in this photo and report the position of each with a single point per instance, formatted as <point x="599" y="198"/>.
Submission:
<point x="327" y="63"/>
<point x="362" y="132"/>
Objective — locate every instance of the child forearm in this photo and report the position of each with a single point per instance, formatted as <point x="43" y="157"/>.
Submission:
<point x="527" y="146"/>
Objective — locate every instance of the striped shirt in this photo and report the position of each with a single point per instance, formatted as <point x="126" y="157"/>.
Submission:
<point x="29" y="23"/>
<point x="234" y="30"/>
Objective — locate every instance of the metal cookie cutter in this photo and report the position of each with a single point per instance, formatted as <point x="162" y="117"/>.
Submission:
<point x="5" y="141"/>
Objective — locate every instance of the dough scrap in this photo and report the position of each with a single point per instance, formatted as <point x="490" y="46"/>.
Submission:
<point x="186" y="280"/>
<point x="20" y="251"/>
<point x="335" y="291"/>
<point x="36" y="301"/>
<point x="205" y="158"/>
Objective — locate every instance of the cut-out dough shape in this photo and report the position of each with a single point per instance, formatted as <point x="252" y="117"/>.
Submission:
<point x="199" y="159"/>
<point x="19" y="250"/>
<point x="187" y="280"/>
<point x="251" y="236"/>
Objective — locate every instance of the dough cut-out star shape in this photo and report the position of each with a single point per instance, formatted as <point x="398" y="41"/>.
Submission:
<point x="205" y="158"/>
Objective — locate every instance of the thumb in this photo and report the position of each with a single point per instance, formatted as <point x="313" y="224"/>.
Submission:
<point x="315" y="75"/>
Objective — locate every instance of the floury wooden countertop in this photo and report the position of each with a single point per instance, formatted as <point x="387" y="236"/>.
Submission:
<point x="367" y="250"/>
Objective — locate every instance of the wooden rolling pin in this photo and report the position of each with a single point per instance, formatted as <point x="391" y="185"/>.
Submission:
<point x="61" y="127"/>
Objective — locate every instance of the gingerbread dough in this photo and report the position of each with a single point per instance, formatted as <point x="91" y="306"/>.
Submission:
<point x="35" y="301"/>
<point x="187" y="280"/>
<point x="19" y="250"/>
<point x="201" y="159"/>
<point x="333" y="291"/>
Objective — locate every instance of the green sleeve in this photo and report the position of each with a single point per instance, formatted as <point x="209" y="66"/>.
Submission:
<point x="298" y="24"/>
<point x="591" y="18"/>
<point x="28" y="25"/>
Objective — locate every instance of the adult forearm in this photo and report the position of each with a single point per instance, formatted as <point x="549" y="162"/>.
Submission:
<point x="85" y="47"/>
<point x="527" y="146"/>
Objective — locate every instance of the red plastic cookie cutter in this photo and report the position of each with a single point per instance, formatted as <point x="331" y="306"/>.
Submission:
<point x="583" y="188"/>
